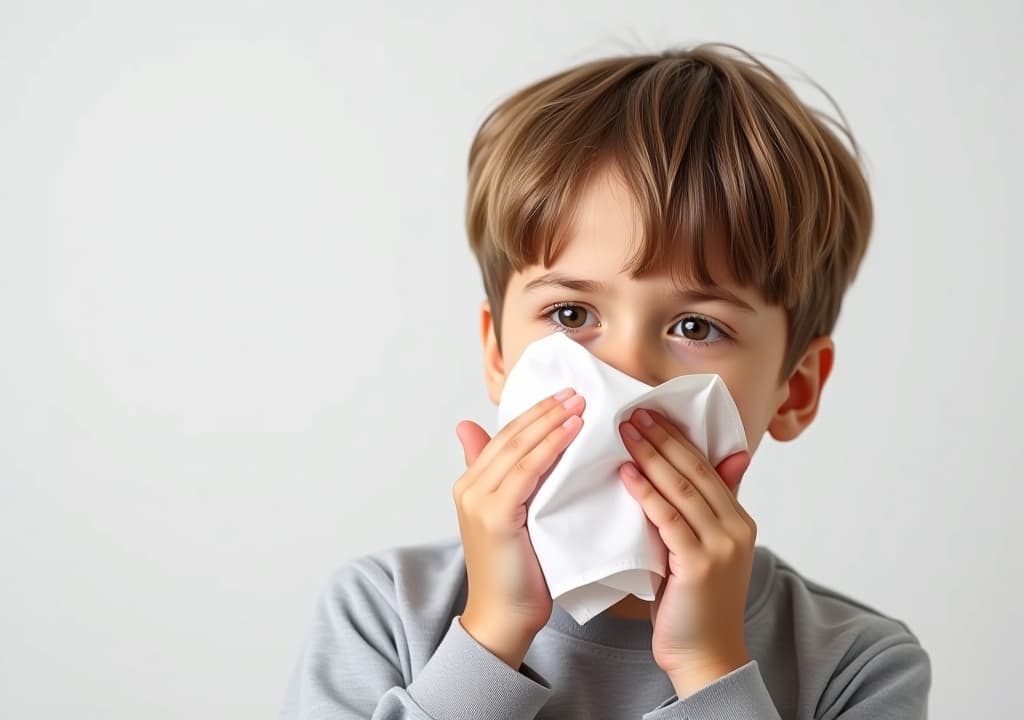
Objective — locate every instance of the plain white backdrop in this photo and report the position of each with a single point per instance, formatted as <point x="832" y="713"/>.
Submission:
<point x="238" y="324"/>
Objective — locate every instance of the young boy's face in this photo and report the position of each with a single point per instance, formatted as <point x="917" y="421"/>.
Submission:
<point x="644" y="329"/>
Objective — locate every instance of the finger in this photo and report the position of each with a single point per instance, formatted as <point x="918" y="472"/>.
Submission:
<point x="523" y="420"/>
<point x="676" y="487"/>
<point x="521" y="482"/>
<point x="677" y="534"/>
<point x="731" y="469"/>
<point x="511" y="453"/>
<point x="687" y="459"/>
<point x="473" y="438"/>
<point x="670" y="427"/>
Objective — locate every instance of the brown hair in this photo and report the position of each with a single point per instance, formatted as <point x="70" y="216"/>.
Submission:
<point x="704" y="139"/>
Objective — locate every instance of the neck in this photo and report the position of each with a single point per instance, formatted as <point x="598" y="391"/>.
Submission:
<point x="631" y="607"/>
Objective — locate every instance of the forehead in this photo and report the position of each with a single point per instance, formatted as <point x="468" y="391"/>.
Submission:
<point x="604" y="235"/>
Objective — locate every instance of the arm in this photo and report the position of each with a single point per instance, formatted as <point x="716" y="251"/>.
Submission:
<point x="356" y="661"/>
<point x="890" y="684"/>
<point x="887" y="684"/>
<point x="739" y="695"/>
<point x="698" y="614"/>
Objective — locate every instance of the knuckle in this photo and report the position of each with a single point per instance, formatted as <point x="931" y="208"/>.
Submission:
<point x="521" y="466"/>
<point x="460" y="488"/>
<point x="466" y="502"/>
<point x="647" y="451"/>
<point x="553" y="441"/>
<point x="686" y="488"/>
<point x="747" y="518"/>
<point x="515" y="442"/>
<point x="678" y="437"/>
<point x="743" y="534"/>
<point x="672" y="517"/>
<point x="746" y="528"/>
<point x="645" y="491"/>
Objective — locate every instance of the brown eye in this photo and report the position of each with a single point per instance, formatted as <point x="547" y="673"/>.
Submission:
<point x="700" y="330"/>
<point x="568" y="319"/>
<point x="572" y="316"/>
<point x="696" y="328"/>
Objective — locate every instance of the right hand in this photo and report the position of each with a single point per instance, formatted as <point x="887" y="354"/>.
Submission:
<point x="508" y="600"/>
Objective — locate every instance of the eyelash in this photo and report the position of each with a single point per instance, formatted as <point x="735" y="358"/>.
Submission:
<point x="546" y="316"/>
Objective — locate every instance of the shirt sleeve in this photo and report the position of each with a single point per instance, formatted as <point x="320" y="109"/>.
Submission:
<point x="355" y="659"/>
<point x="891" y="684"/>
<point x="887" y="684"/>
<point x="738" y="695"/>
<point x="465" y="681"/>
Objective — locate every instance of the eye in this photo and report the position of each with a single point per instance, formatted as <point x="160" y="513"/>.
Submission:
<point x="699" y="330"/>
<point x="696" y="330"/>
<point x="567" y="317"/>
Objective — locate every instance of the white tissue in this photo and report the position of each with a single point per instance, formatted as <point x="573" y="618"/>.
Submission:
<point x="593" y="541"/>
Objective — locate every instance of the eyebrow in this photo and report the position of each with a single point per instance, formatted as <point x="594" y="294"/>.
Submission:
<point x="703" y="293"/>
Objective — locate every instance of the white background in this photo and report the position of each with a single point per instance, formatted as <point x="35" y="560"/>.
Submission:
<point x="238" y="318"/>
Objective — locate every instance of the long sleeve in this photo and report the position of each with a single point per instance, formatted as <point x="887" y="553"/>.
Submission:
<point x="739" y="695"/>
<point x="891" y="684"/>
<point x="357" y="663"/>
<point x="887" y="684"/>
<point x="385" y="643"/>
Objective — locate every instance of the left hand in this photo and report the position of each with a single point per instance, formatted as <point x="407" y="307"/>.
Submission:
<point x="698" y="612"/>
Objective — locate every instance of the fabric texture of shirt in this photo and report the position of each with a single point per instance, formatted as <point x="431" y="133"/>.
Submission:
<point x="386" y="643"/>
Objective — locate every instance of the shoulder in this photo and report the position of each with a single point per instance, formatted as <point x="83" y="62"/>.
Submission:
<point x="377" y="621"/>
<point x="826" y="625"/>
<point x="827" y="652"/>
<point x="820" y="606"/>
<point x="423" y="584"/>
<point x="404" y="567"/>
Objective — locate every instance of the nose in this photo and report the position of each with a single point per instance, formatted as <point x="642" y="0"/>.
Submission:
<point x="635" y="353"/>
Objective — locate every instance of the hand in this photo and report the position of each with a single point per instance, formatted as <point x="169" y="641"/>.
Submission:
<point x="698" y="611"/>
<point x="508" y="598"/>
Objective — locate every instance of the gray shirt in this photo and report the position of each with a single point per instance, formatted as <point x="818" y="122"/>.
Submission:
<point x="385" y="643"/>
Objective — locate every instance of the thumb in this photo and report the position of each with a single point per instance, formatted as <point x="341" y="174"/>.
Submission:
<point x="473" y="439"/>
<point x="732" y="469"/>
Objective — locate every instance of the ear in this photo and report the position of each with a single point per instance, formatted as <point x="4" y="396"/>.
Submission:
<point x="803" y="390"/>
<point x="494" y="365"/>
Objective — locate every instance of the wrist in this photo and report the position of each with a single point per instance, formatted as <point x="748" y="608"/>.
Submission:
<point x="696" y="673"/>
<point x="508" y="646"/>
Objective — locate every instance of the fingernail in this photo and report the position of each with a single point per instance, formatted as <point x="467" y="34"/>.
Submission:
<point x="644" y="418"/>
<point x="630" y="471"/>
<point x="563" y="394"/>
<point x="573" y="403"/>
<point x="631" y="431"/>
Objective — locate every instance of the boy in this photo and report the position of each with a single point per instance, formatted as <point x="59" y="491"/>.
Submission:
<point x="674" y="213"/>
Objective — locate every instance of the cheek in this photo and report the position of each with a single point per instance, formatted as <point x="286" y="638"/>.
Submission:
<point x="516" y="333"/>
<point x="754" y="400"/>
